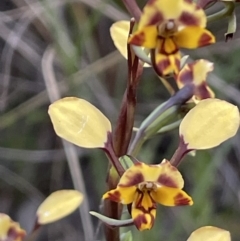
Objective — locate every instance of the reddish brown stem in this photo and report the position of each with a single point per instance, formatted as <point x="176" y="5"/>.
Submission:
<point x="125" y="122"/>
<point x="108" y="149"/>
<point x="179" y="153"/>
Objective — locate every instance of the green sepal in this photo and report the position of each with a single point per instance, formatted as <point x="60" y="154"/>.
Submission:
<point x="164" y="119"/>
<point x="232" y="26"/>
<point x="142" y="54"/>
<point x="112" y="222"/>
<point x="127" y="161"/>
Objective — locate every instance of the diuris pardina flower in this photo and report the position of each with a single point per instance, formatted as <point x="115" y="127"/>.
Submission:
<point x="196" y="73"/>
<point x="144" y="186"/>
<point x="167" y="25"/>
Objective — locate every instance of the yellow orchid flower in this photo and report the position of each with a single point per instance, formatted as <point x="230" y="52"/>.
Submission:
<point x="196" y="73"/>
<point x="10" y="230"/>
<point x="167" y="25"/>
<point x="145" y="185"/>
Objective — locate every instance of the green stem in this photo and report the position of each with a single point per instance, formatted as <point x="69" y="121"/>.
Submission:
<point x="169" y="127"/>
<point x="228" y="9"/>
<point x="178" y="99"/>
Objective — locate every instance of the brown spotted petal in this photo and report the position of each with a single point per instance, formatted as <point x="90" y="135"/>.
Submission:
<point x="196" y="73"/>
<point x="170" y="176"/>
<point x="166" y="64"/>
<point x="184" y="11"/>
<point x="193" y="37"/>
<point x="145" y="37"/>
<point x="124" y="195"/>
<point x="10" y="230"/>
<point x="169" y="196"/>
<point x="143" y="210"/>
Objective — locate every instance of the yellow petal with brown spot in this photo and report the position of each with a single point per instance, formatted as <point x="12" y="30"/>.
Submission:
<point x="58" y="205"/>
<point x="79" y="122"/>
<point x="208" y="124"/>
<point x="124" y="195"/>
<point x="163" y="174"/>
<point x="193" y="37"/>
<point x="187" y="13"/>
<point x="146" y="37"/>
<point x="170" y="176"/>
<point x="169" y="196"/>
<point x="143" y="219"/>
<point x="196" y="73"/>
<point x="167" y="64"/>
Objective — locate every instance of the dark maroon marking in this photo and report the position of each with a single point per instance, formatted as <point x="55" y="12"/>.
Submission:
<point x="162" y="47"/>
<point x="180" y="200"/>
<point x="177" y="63"/>
<point x="202" y="91"/>
<point x="204" y="40"/>
<point x="139" y="220"/>
<point x="228" y="36"/>
<point x="133" y="180"/>
<point x="14" y="234"/>
<point x="188" y="19"/>
<point x="139" y="203"/>
<point x="186" y="77"/>
<point x="138" y="39"/>
<point x="188" y="1"/>
<point x="167" y="181"/>
<point x="139" y="206"/>
<point x="162" y="65"/>
<point x="115" y="197"/>
<point x="156" y="19"/>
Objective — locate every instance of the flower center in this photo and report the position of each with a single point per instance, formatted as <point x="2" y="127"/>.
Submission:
<point x="167" y="29"/>
<point x="147" y="186"/>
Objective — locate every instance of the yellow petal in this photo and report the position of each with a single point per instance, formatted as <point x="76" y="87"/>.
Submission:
<point x="193" y="37"/>
<point x="210" y="233"/>
<point x="119" y="32"/>
<point x="146" y="37"/>
<point x="10" y="230"/>
<point x="124" y="195"/>
<point x="171" y="196"/>
<point x="209" y="123"/>
<point x="143" y="219"/>
<point x="58" y="205"/>
<point x="185" y="12"/>
<point x="79" y="122"/>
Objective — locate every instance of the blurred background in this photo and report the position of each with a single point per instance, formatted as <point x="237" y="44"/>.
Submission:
<point x="68" y="42"/>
